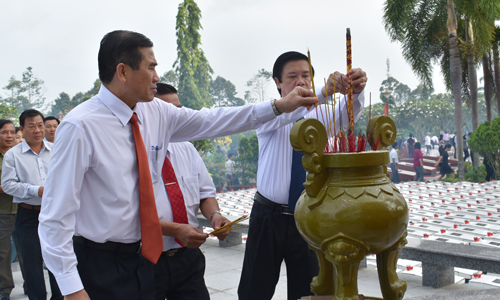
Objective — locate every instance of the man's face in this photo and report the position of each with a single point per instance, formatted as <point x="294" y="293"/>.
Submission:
<point x="50" y="129"/>
<point x="141" y="84"/>
<point x="295" y="73"/>
<point x="33" y="130"/>
<point x="170" y="98"/>
<point x="7" y="136"/>
<point x="19" y="137"/>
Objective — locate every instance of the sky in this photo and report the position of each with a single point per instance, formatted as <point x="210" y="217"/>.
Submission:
<point x="60" y="39"/>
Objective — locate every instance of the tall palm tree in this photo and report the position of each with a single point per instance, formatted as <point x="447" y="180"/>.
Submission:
<point x="496" y="64"/>
<point x="472" y="80"/>
<point x="419" y="26"/>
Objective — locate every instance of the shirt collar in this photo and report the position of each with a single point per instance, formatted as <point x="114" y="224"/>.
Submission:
<point x="121" y="110"/>
<point x="25" y="147"/>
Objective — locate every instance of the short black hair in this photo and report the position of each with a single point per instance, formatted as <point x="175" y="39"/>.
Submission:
<point x="283" y="59"/>
<point x="120" y="46"/>
<point x="447" y="146"/>
<point x="394" y="145"/>
<point x="417" y="145"/>
<point x="230" y="154"/>
<point x="165" y="89"/>
<point x="51" y="118"/>
<point x="17" y="129"/>
<point x="29" y="113"/>
<point x="4" y="122"/>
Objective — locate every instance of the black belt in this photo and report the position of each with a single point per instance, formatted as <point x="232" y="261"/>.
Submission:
<point x="134" y="248"/>
<point x="173" y="252"/>
<point x="281" y="208"/>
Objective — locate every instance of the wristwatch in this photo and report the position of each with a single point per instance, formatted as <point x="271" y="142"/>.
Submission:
<point x="275" y="109"/>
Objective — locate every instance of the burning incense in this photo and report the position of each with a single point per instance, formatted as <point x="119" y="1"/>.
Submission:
<point x="312" y="85"/>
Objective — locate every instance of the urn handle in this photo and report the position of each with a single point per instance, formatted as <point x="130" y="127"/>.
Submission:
<point x="309" y="137"/>
<point x="383" y="130"/>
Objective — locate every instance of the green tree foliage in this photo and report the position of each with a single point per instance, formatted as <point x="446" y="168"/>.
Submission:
<point x="248" y="159"/>
<point x="63" y="104"/>
<point x="485" y="140"/>
<point x="204" y="147"/>
<point x="8" y="112"/>
<point x="223" y="93"/>
<point x="191" y="65"/>
<point x="170" y="77"/>
<point x="26" y="93"/>
<point x="258" y="86"/>
<point x="400" y="92"/>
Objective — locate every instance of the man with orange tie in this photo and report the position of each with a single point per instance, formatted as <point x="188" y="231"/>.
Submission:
<point x="180" y="270"/>
<point x="99" y="230"/>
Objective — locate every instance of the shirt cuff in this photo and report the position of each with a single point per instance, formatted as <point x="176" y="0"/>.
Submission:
<point x="264" y="111"/>
<point x="69" y="283"/>
<point x="33" y="191"/>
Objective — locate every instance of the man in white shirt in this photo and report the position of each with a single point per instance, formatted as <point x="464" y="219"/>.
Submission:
<point x="394" y="163"/>
<point x="50" y="124"/>
<point x="179" y="271"/>
<point x="272" y="235"/>
<point x="92" y="193"/>
<point x="428" y="143"/>
<point x="232" y="180"/>
<point x="24" y="172"/>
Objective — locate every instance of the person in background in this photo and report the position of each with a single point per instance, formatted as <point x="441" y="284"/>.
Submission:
<point x="400" y="141"/>
<point x="50" y="124"/>
<point x="446" y="137"/>
<point x="445" y="166"/>
<point x="8" y="211"/>
<point x="434" y="141"/>
<point x="471" y="154"/>
<point x="490" y="172"/>
<point x="418" y="162"/>
<point x="219" y="151"/>
<point x="180" y="269"/>
<point x="411" y="145"/>
<point x="232" y="180"/>
<point x="428" y="143"/>
<point x="394" y="163"/>
<point x="18" y="139"/>
<point x="24" y="171"/>
<point x="466" y="148"/>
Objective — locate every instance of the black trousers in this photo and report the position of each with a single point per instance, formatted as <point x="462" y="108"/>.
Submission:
<point x="272" y="238"/>
<point x="179" y="276"/>
<point x="112" y="275"/>
<point x="27" y="231"/>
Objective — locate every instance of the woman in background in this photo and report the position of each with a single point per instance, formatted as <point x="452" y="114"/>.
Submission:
<point x="418" y="163"/>
<point x="445" y="166"/>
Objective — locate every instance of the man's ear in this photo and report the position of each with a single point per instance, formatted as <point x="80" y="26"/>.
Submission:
<point x="122" y="72"/>
<point x="278" y="83"/>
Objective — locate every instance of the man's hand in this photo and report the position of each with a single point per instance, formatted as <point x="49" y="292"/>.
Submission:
<point x="217" y="222"/>
<point x="80" y="295"/>
<point x="40" y="191"/>
<point x="356" y="77"/>
<point x="297" y="98"/>
<point x="190" y="236"/>
<point x="1" y="190"/>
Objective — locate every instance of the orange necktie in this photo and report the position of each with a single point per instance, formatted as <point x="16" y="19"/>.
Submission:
<point x="151" y="236"/>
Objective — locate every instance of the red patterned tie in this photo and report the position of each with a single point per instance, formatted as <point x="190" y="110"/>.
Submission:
<point x="174" y="194"/>
<point x="151" y="236"/>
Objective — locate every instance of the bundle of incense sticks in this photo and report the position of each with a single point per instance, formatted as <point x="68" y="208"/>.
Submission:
<point x="231" y="226"/>
<point x="338" y="141"/>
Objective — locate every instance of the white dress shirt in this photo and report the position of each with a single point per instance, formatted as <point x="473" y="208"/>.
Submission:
<point x="194" y="181"/>
<point x="276" y="152"/>
<point x="394" y="156"/>
<point x="92" y="185"/>
<point x="24" y="172"/>
<point x="427" y="140"/>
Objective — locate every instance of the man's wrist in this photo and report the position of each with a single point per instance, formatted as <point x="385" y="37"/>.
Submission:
<point x="275" y="108"/>
<point x="212" y="215"/>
